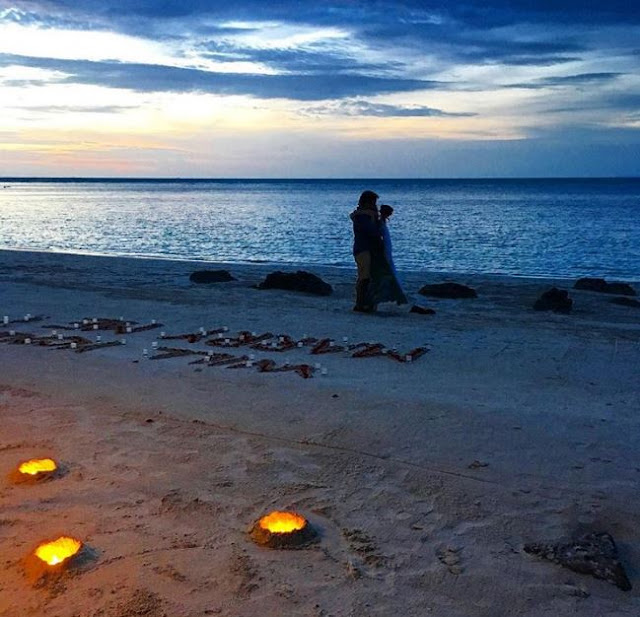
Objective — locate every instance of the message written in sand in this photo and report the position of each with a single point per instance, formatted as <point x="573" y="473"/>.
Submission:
<point x="214" y="337"/>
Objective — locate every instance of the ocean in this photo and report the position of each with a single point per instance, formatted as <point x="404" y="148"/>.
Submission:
<point x="561" y="228"/>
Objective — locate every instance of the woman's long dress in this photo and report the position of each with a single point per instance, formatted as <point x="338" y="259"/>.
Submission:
<point x="385" y="286"/>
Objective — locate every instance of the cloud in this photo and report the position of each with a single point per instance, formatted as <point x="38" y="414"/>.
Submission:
<point x="158" y="78"/>
<point x="582" y="79"/>
<point x="79" y="109"/>
<point x="380" y="110"/>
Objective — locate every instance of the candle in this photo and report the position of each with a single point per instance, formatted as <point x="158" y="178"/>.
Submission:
<point x="60" y="337"/>
<point x="145" y="352"/>
<point x="163" y="334"/>
<point x="317" y="366"/>
<point x="324" y="371"/>
<point x="27" y="341"/>
<point x="76" y="325"/>
<point x="5" y="319"/>
<point x="129" y="330"/>
<point x="12" y="332"/>
<point x="345" y="339"/>
<point x="154" y="345"/>
<point x="98" y="339"/>
<point x="408" y="358"/>
<point x="74" y="345"/>
<point x="95" y="326"/>
<point x="300" y="344"/>
<point x="95" y="320"/>
<point x="54" y="332"/>
<point x="123" y="341"/>
<point x="153" y="322"/>
<point x="249" y="363"/>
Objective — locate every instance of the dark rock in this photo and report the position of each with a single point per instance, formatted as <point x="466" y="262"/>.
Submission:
<point x="211" y="276"/>
<point x="624" y="301"/>
<point x="556" y="300"/>
<point x="594" y="553"/>
<point x="600" y="285"/>
<point x="448" y="290"/>
<point x="421" y="310"/>
<point x="297" y="281"/>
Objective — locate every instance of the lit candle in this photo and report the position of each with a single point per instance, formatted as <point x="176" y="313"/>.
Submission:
<point x="95" y="320"/>
<point x="27" y="341"/>
<point x="98" y="339"/>
<point x="74" y="345"/>
<point x="153" y="322"/>
<point x="129" y="329"/>
<point x="76" y="325"/>
<point x="324" y="371"/>
<point x="95" y="326"/>
<point x="5" y="319"/>
<point x="12" y="332"/>
<point x="60" y="337"/>
<point x="163" y="334"/>
<point x="154" y="345"/>
<point x="300" y="344"/>
<point x="317" y="366"/>
<point x="408" y="358"/>
<point x="345" y="339"/>
<point x="54" y="332"/>
<point x="145" y="352"/>
<point x="123" y="341"/>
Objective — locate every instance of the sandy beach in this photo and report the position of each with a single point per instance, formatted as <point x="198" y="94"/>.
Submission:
<point x="424" y="479"/>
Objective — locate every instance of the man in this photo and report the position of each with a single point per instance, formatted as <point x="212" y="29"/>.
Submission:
<point x="367" y="244"/>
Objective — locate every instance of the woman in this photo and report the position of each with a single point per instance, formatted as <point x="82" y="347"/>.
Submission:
<point x="385" y="286"/>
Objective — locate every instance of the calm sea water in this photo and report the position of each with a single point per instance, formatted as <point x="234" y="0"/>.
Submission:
<point x="562" y="228"/>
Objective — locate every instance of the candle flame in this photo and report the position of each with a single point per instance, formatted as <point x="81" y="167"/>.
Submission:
<point x="36" y="466"/>
<point x="282" y="522"/>
<point x="59" y="550"/>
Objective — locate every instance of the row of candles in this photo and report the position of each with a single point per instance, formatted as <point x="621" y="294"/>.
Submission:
<point x="278" y="529"/>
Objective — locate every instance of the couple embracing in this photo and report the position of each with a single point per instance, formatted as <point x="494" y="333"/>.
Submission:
<point x="377" y="279"/>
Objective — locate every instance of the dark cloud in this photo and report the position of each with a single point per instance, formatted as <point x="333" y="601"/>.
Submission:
<point x="156" y="78"/>
<point x="582" y="79"/>
<point x="380" y="110"/>
<point x="305" y="61"/>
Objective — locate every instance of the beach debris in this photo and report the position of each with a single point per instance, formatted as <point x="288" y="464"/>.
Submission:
<point x="94" y="346"/>
<point x="624" y="301"/>
<point x="421" y="310"/>
<point x="34" y="470"/>
<point x="414" y="354"/>
<point x="601" y="286"/>
<point x="283" y="530"/>
<point x="554" y="299"/>
<point x="326" y="345"/>
<point x="595" y="554"/>
<point x="448" y="290"/>
<point x="211" y="276"/>
<point x="296" y="281"/>
<point x="174" y="352"/>
<point x="367" y="350"/>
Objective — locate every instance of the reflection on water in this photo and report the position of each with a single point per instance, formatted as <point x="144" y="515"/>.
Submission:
<point x="529" y="227"/>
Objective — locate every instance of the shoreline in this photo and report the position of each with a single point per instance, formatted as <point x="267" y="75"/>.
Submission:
<point x="291" y="266"/>
<point x="425" y="479"/>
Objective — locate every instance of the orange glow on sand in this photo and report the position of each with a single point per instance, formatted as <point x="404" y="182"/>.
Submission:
<point x="36" y="466"/>
<point x="282" y="522"/>
<point x="58" y="551"/>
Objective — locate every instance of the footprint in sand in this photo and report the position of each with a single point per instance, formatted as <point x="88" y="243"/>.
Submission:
<point x="450" y="557"/>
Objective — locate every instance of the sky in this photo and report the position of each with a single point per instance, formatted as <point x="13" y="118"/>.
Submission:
<point x="323" y="89"/>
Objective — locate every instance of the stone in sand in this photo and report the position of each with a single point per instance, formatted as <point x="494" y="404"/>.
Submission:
<point x="452" y="291"/>
<point x="211" y="276"/>
<point x="600" y="285"/>
<point x="624" y="301"/>
<point x="297" y="281"/>
<point x="556" y="300"/>
<point x="594" y="553"/>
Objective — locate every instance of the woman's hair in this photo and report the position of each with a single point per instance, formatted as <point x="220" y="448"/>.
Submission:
<point x="367" y="199"/>
<point x="385" y="211"/>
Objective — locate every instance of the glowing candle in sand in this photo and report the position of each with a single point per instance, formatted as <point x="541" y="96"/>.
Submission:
<point x="154" y="345"/>
<point x="95" y="320"/>
<point x="58" y="551"/>
<point x="281" y="529"/>
<point x="324" y="371"/>
<point x="145" y="352"/>
<point x="37" y="466"/>
<point x="12" y="332"/>
<point x="163" y="334"/>
<point x="153" y="322"/>
<point x="408" y="358"/>
<point x="5" y="320"/>
<point x="74" y="345"/>
<point x="129" y="330"/>
<point x="60" y="337"/>
<point x="27" y="341"/>
<point x="76" y="325"/>
<point x="98" y="339"/>
<point x="95" y="326"/>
